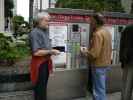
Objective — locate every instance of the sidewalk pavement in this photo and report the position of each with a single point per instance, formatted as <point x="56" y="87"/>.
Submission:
<point x="27" y="95"/>
<point x="112" y="96"/>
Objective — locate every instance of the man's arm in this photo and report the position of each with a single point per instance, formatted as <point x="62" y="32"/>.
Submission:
<point x="97" y="42"/>
<point x="36" y="46"/>
<point x="95" y="49"/>
<point x="46" y="52"/>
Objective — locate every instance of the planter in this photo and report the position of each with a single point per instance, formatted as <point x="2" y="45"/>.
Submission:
<point x="7" y="62"/>
<point x="14" y="82"/>
<point x="14" y="76"/>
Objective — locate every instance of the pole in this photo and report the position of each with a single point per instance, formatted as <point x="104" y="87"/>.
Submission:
<point x="40" y="5"/>
<point x="49" y="4"/>
<point x="2" y="24"/>
<point x="31" y="11"/>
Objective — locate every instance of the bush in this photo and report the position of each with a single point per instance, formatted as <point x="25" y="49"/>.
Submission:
<point x="10" y="51"/>
<point x="20" y="26"/>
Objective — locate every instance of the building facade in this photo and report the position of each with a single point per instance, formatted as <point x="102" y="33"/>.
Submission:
<point x="52" y="3"/>
<point x="15" y="7"/>
<point x="1" y="15"/>
<point x="42" y="5"/>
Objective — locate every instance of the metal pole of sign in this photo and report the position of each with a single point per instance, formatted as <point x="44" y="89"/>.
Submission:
<point x="49" y="3"/>
<point x="2" y="16"/>
<point x="40" y="5"/>
<point x="31" y="11"/>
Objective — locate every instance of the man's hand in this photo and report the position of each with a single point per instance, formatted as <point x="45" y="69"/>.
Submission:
<point x="86" y="53"/>
<point x="46" y="52"/>
<point x="84" y="49"/>
<point x="55" y="52"/>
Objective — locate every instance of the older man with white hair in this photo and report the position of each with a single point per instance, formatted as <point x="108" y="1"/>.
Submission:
<point x="41" y="63"/>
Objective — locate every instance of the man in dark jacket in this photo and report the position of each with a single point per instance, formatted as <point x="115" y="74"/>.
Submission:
<point x="126" y="59"/>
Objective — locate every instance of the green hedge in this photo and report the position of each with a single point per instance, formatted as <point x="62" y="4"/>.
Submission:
<point x="9" y="50"/>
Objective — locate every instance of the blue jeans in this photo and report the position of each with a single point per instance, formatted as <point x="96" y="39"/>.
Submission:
<point x="99" y="83"/>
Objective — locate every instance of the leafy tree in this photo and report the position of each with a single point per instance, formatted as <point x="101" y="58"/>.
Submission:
<point x="17" y="21"/>
<point x="20" y="26"/>
<point x="97" y="5"/>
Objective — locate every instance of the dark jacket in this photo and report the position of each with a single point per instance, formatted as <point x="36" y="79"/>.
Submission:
<point x="126" y="45"/>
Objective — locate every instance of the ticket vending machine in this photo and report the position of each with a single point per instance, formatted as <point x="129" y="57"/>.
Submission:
<point x="78" y="35"/>
<point x="68" y="38"/>
<point x="74" y="38"/>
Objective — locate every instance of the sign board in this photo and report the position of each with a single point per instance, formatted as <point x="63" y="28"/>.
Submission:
<point x="84" y="18"/>
<point x="58" y="34"/>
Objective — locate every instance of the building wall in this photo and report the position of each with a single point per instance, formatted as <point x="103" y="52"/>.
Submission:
<point x="15" y="7"/>
<point x="52" y="3"/>
<point x="127" y="5"/>
<point x="45" y="4"/>
<point x="1" y="15"/>
<point x="37" y="5"/>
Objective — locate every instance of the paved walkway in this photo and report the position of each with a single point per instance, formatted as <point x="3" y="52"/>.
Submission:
<point x="27" y="95"/>
<point x="113" y="96"/>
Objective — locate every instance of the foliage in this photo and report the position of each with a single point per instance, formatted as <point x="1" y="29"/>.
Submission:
<point x="10" y="51"/>
<point x="97" y="5"/>
<point x="8" y="8"/>
<point x="20" y="26"/>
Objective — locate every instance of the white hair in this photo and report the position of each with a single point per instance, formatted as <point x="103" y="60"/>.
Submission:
<point x="40" y="15"/>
